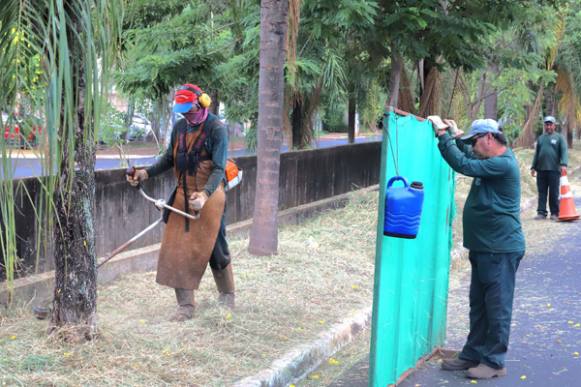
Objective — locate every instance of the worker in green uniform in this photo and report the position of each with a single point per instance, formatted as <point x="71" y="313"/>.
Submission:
<point x="549" y="162"/>
<point x="493" y="235"/>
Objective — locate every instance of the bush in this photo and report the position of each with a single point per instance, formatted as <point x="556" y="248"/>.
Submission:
<point x="333" y="121"/>
<point x="112" y="128"/>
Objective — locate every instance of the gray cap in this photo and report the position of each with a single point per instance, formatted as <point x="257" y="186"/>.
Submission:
<point x="550" y="119"/>
<point x="481" y="126"/>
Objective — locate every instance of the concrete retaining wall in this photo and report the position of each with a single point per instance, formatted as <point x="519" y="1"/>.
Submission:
<point x="37" y="288"/>
<point x="305" y="177"/>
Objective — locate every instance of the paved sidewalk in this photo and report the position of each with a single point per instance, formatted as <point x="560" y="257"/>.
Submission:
<point x="546" y="332"/>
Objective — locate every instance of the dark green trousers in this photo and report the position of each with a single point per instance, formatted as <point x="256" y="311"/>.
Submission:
<point x="220" y="257"/>
<point x="491" y="296"/>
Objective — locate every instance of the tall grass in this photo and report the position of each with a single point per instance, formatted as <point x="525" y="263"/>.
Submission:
<point x="54" y="62"/>
<point x="7" y="220"/>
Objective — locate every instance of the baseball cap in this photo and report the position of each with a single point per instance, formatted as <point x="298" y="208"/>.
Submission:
<point x="186" y="97"/>
<point x="550" y="119"/>
<point x="481" y="126"/>
<point x="184" y="100"/>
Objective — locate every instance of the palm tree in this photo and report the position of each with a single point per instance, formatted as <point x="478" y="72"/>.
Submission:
<point x="73" y="41"/>
<point x="273" y="29"/>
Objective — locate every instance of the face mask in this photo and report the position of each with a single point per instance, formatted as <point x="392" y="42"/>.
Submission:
<point x="198" y="117"/>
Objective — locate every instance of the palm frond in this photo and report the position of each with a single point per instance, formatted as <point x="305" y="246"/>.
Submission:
<point x="54" y="61"/>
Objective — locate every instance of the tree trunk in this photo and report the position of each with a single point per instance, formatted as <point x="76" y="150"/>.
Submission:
<point x="421" y="75"/>
<point x="287" y="130"/>
<point x="301" y="120"/>
<point x="273" y="29"/>
<point x="475" y="106"/>
<point x="571" y="120"/>
<point x="75" y="293"/>
<point x="215" y="106"/>
<point x="431" y="95"/>
<point x="551" y="106"/>
<point x="293" y="98"/>
<point x="491" y="105"/>
<point x="297" y="123"/>
<point x="491" y="98"/>
<point x="405" y="101"/>
<point x="158" y="115"/>
<point x="549" y="102"/>
<point x="527" y="136"/>
<point x="394" y="77"/>
<point x="130" y="111"/>
<point x="167" y="122"/>
<point x="351" y="109"/>
<point x="569" y="134"/>
<point x="309" y="106"/>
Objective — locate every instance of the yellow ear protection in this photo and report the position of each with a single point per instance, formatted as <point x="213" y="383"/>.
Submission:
<point x="204" y="99"/>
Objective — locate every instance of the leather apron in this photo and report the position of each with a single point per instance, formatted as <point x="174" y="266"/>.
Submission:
<point x="184" y="256"/>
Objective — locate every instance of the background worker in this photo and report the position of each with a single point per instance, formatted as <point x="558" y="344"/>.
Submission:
<point x="549" y="162"/>
<point x="197" y="153"/>
<point x="493" y="235"/>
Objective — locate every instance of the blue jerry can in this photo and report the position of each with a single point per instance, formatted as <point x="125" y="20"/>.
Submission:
<point x="403" y="208"/>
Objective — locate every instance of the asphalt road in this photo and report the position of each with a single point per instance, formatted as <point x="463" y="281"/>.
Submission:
<point x="545" y="342"/>
<point x="27" y="167"/>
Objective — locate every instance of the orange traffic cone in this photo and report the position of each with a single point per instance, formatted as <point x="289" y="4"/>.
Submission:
<point x="567" y="210"/>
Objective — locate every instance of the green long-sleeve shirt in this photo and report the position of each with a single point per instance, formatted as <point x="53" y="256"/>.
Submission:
<point x="491" y="218"/>
<point x="216" y="144"/>
<point x="550" y="153"/>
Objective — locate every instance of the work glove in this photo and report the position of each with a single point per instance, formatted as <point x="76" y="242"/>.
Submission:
<point x="453" y="128"/>
<point x="437" y="124"/>
<point x="139" y="176"/>
<point x="197" y="200"/>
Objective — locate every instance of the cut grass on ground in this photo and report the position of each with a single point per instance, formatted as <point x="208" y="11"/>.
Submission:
<point x="324" y="273"/>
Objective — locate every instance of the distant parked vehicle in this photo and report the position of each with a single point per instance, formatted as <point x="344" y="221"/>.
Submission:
<point x="140" y="128"/>
<point x="21" y="133"/>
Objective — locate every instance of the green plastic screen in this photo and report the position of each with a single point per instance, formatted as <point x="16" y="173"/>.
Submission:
<point x="411" y="275"/>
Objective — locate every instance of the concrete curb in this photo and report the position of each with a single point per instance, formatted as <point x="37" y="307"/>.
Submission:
<point x="301" y="360"/>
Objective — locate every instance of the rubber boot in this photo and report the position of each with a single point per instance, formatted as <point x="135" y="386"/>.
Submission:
<point x="225" y="283"/>
<point x="42" y="310"/>
<point x="185" y="309"/>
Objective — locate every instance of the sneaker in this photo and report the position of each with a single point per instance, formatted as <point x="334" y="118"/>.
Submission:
<point x="457" y="364"/>
<point x="540" y="217"/>
<point x="555" y="217"/>
<point x="485" y="372"/>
